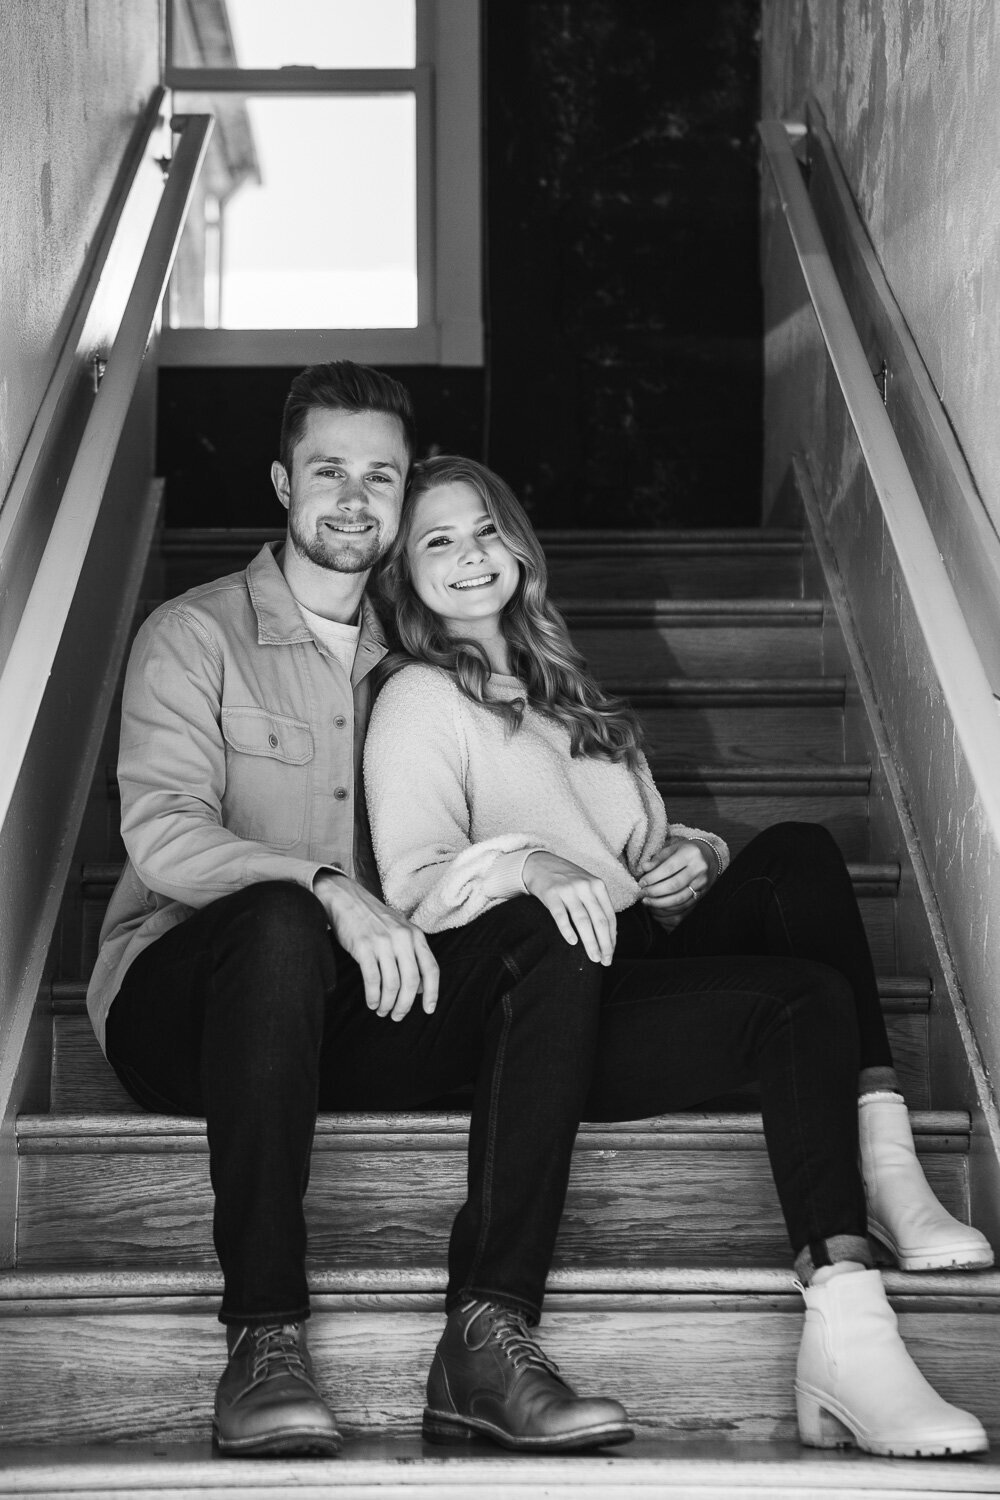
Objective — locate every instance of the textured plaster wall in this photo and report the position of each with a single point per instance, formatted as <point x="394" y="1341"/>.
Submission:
<point x="74" y="76"/>
<point x="910" y="91"/>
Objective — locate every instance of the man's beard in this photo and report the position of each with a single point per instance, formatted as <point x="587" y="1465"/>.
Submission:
<point x="351" y="555"/>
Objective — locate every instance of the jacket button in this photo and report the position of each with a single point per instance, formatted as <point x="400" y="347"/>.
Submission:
<point x="340" y="721"/>
<point x="272" y="740"/>
<point x="340" y="793"/>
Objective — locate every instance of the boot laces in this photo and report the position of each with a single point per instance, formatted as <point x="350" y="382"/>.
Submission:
<point x="276" y="1351"/>
<point x="510" y="1331"/>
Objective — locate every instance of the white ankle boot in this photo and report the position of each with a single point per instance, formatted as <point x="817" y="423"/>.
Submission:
<point x="855" y="1384"/>
<point x="902" y="1211"/>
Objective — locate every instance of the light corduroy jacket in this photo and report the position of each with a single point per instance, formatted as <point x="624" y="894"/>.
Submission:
<point x="240" y="760"/>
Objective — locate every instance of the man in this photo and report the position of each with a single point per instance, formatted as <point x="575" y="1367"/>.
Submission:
<point x="249" y="971"/>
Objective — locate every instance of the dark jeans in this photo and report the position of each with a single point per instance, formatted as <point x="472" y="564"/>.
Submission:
<point x="250" y="1014"/>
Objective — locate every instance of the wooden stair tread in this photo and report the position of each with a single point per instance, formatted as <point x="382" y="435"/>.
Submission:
<point x="654" y="1466"/>
<point x="948" y="1129"/>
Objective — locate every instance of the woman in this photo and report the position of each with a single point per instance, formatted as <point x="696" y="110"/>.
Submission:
<point x="495" y="766"/>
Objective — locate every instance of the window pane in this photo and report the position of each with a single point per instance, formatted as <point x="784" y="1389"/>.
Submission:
<point x="277" y="33"/>
<point x="315" y="201"/>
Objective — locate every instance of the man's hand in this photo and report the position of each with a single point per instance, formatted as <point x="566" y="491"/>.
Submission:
<point x="394" y="957"/>
<point x="672" y="880"/>
<point x="578" y="901"/>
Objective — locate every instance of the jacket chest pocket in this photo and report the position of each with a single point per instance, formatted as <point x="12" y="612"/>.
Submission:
<point x="268" y="758"/>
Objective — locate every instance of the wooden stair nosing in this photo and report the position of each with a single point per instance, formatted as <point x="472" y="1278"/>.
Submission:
<point x="714" y="613"/>
<point x="617" y="1284"/>
<point x="731" y="692"/>
<point x="933" y="1130"/>
<point x="854" y="777"/>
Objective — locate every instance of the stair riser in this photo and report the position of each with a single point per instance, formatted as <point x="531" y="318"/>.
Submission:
<point x="697" y="576"/>
<point x="685" y="1371"/>
<point x="744" y="735"/>
<point x="701" y="650"/>
<point x="698" y="1203"/>
<point x="738" y="817"/>
<point x="82" y="1080"/>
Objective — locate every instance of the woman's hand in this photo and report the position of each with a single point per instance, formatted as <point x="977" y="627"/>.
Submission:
<point x="672" y="880"/>
<point x="578" y="901"/>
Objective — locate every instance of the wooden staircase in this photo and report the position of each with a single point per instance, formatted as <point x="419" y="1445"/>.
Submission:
<point x="671" y="1287"/>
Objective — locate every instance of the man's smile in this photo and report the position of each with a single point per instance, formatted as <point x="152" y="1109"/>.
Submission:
<point x="349" y="527"/>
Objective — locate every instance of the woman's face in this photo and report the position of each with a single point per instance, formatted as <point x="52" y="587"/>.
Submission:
<point x="459" y="567"/>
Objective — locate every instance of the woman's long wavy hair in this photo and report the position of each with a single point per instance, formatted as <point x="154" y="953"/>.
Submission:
<point x="541" y="652"/>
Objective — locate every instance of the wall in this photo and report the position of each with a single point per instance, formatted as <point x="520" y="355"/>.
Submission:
<point x="624" y="302"/>
<point x="218" y="428"/>
<point x="73" y="79"/>
<point x="909" y="91"/>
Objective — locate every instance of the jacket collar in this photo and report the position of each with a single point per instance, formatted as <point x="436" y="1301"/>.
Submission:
<point x="278" y="620"/>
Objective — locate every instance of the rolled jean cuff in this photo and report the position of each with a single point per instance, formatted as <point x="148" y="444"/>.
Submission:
<point x="531" y="1310"/>
<point x="878" y="1081"/>
<point x="828" y="1252"/>
<point x="264" y="1320"/>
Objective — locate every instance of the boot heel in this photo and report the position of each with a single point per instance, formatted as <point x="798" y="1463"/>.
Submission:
<point x="438" y="1427"/>
<point x="818" y="1428"/>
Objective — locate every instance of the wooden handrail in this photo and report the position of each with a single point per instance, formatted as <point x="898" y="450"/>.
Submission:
<point x="959" y="668"/>
<point x="33" y="649"/>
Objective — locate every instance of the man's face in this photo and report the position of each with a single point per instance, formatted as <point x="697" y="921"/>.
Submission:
<point x="345" y="490"/>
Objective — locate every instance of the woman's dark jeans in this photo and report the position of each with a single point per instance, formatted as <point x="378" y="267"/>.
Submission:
<point x="250" y="1014"/>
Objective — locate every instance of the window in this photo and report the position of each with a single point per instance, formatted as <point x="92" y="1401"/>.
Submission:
<point x="338" y="212"/>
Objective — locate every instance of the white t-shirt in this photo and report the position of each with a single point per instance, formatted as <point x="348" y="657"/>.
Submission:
<point x="340" y="641"/>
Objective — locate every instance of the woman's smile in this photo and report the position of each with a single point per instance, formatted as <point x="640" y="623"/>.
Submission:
<point x="475" y="583"/>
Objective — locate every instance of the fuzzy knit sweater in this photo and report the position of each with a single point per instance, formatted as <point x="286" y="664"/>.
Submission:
<point x="457" y="802"/>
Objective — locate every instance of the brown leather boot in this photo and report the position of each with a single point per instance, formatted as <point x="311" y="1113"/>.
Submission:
<point x="267" y="1401"/>
<point x="489" y="1378"/>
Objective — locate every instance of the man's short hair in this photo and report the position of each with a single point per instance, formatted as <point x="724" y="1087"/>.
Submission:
<point x="342" y="385"/>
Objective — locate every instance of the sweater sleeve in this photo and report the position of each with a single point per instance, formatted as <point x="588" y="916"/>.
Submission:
<point x="658" y="831"/>
<point x="415" y="773"/>
<point x="718" y="846"/>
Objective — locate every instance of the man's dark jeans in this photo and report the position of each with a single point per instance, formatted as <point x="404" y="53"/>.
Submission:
<point x="250" y="1014"/>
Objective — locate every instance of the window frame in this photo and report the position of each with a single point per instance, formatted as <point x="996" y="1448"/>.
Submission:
<point x="446" y="84"/>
